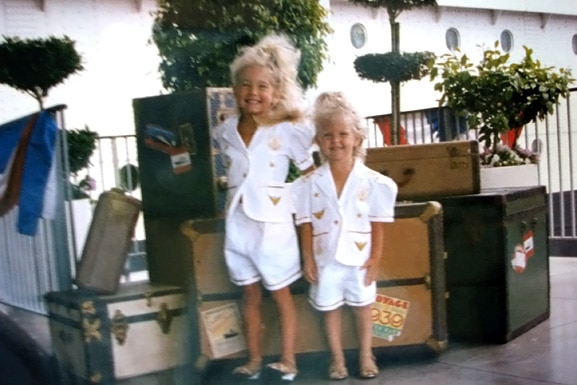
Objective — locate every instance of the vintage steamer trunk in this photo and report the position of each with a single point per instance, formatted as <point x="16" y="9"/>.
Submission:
<point x="410" y="308"/>
<point x="498" y="263"/>
<point x="427" y="171"/>
<point x="108" y="241"/>
<point x="100" y="339"/>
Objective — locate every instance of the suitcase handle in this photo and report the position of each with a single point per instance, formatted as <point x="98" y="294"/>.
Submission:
<point x="407" y="176"/>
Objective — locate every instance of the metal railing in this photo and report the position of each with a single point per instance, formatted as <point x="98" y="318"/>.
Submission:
<point x="555" y="138"/>
<point x="33" y="266"/>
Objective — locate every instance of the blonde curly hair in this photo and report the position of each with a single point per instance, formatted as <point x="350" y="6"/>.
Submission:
<point x="329" y="105"/>
<point x="277" y="53"/>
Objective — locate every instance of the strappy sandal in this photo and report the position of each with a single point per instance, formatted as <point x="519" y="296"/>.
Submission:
<point x="288" y="372"/>
<point x="250" y="370"/>
<point x="369" y="369"/>
<point x="338" y="372"/>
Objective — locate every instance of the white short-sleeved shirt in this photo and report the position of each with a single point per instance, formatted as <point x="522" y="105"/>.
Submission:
<point x="257" y="173"/>
<point x="342" y="225"/>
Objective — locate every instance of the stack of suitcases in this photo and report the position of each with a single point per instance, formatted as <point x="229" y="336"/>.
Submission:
<point x="496" y="240"/>
<point x="461" y="263"/>
<point x="103" y="331"/>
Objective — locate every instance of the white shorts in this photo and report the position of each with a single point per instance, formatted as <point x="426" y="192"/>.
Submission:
<point x="256" y="251"/>
<point x="340" y="284"/>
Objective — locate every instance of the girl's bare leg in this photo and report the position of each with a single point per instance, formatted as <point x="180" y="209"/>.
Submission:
<point x="368" y="368"/>
<point x="252" y="300"/>
<point x="333" y="329"/>
<point x="288" y="324"/>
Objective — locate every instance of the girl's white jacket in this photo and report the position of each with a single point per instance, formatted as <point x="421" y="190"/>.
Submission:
<point x="257" y="173"/>
<point x="342" y="225"/>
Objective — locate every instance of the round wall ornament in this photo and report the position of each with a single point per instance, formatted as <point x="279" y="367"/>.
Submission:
<point x="358" y="35"/>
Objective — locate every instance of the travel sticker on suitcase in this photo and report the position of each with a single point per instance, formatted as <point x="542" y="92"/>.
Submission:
<point x="389" y="316"/>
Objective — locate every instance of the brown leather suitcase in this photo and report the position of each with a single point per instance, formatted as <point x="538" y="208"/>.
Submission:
<point x="428" y="171"/>
<point x="108" y="241"/>
<point x="410" y="308"/>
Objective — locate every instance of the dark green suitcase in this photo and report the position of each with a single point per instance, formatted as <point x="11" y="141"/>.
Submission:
<point x="178" y="171"/>
<point x="497" y="266"/>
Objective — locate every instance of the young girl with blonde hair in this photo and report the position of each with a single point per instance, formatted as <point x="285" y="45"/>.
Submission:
<point x="341" y="209"/>
<point x="261" y="246"/>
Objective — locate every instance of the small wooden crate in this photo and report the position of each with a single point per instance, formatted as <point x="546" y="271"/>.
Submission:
<point x="429" y="171"/>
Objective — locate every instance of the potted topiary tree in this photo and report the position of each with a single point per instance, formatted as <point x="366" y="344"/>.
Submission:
<point x="394" y="67"/>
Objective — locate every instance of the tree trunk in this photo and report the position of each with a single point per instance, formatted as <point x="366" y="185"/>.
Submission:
<point x="395" y="88"/>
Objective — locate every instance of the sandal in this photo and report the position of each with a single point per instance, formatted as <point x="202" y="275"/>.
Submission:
<point x="369" y="369"/>
<point x="288" y="371"/>
<point x="250" y="370"/>
<point x="338" y="372"/>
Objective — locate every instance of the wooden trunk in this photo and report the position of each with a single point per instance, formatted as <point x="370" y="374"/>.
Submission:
<point x="101" y="339"/>
<point x="409" y="311"/>
<point x="428" y="171"/>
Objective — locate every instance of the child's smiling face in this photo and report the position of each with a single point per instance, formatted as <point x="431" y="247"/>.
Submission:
<point x="255" y="91"/>
<point x="337" y="139"/>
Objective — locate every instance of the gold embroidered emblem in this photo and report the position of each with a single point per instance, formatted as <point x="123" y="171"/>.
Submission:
<point x="360" y="245"/>
<point x="359" y="215"/>
<point x="271" y="164"/>
<point x="274" y="143"/>
<point x="316" y="194"/>
<point x="274" y="200"/>
<point x="319" y="214"/>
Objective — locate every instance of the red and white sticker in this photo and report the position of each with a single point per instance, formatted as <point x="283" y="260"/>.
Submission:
<point x="528" y="244"/>
<point x="181" y="162"/>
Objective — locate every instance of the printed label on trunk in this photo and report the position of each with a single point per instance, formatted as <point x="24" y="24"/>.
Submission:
<point x="389" y="316"/>
<point x="223" y="328"/>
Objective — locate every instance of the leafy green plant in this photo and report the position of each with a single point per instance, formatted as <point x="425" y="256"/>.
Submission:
<point x="497" y="95"/>
<point x="81" y="145"/>
<point x="34" y="66"/>
<point x="198" y="39"/>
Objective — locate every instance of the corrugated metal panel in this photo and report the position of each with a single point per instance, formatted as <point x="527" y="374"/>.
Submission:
<point x="31" y="266"/>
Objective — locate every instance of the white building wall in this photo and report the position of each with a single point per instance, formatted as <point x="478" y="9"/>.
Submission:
<point x="424" y="30"/>
<point x="113" y="35"/>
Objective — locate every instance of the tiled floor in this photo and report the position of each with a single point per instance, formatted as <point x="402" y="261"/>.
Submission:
<point x="545" y="354"/>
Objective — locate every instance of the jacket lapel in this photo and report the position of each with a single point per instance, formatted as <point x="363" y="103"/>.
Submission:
<point x="231" y="136"/>
<point x="324" y="181"/>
